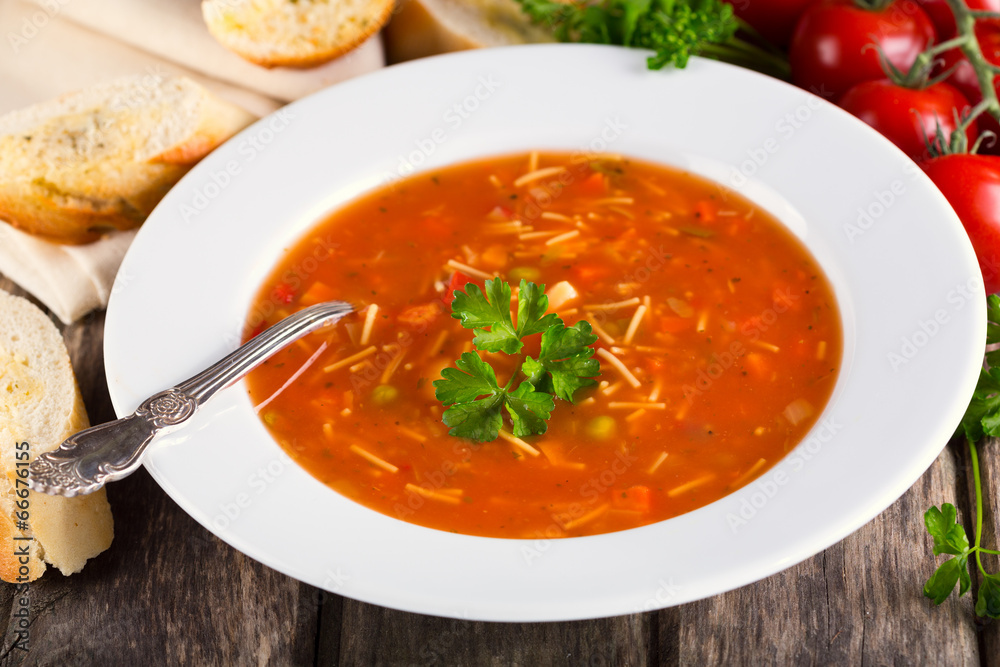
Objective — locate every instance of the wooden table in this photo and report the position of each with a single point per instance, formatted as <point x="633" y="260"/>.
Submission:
<point x="169" y="592"/>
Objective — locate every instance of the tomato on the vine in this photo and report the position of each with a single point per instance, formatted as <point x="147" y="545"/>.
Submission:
<point x="963" y="76"/>
<point x="944" y="18"/>
<point x="971" y="184"/>
<point x="773" y="19"/>
<point x="906" y="116"/>
<point x="830" y="50"/>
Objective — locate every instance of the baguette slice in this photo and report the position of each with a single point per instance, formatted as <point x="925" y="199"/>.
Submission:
<point x="40" y="404"/>
<point x="293" y="33"/>
<point x="428" y="27"/>
<point x="102" y="158"/>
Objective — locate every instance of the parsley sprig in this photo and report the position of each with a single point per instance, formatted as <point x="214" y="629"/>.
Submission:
<point x="674" y="29"/>
<point x="475" y="398"/>
<point x="982" y="418"/>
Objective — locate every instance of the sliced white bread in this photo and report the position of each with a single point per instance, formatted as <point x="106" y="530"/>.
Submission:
<point x="102" y="158"/>
<point x="40" y="404"/>
<point x="294" y="33"/>
<point x="428" y="27"/>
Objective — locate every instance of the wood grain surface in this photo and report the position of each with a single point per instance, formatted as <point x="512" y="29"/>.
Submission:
<point x="168" y="592"/>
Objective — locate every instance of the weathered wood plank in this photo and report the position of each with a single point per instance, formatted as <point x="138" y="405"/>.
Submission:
<point x="888" y="561"/>
<point x="859" y="602"/>
<point x="167" y="591"/>
<point x="372" y="635"/>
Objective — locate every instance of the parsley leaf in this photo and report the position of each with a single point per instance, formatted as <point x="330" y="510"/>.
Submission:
<point x="531" y="306"/>
<point x="471" y="416"/>
<point x="943" y="581"/>
<point x="478" y="310"/>
<point x="674" y="29"/>
<point x="565" y="361"/>
<point x="949" y="536"/>
<point x="529" y="410"/>
<point x="475" y="401"/>
<point x="472" y="307"/>
<point x="988" y="603"/>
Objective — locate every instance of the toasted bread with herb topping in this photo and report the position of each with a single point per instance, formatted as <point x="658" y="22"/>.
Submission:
<point x="102" y="158"/>
<point x="293" y="33"/>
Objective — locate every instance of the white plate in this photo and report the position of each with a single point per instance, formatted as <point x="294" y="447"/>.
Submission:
<point x="904" y="272"/>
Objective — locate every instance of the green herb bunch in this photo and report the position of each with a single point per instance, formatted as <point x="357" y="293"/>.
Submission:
<point x="674" y="29"/>
<point x="982" y="418"/>
<point x="476" y="400"/>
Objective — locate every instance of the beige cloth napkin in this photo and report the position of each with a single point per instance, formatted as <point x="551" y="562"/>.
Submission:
<point x="57" y="46"/>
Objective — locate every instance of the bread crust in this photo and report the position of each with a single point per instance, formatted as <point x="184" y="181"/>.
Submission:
<point x="422" y="28"/>
<point x="287" y="43"/>
<point x="74" y="168"/>
<point x="40" y="403"/>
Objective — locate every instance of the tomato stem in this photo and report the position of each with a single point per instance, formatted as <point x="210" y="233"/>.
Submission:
<point x="872" y="5"/>
<point x="965" y="23"/>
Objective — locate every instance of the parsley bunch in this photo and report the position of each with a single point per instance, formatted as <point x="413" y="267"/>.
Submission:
<point x="982" y="417"/>
<point x="674" y="29"/>
<point x="477" y="401"/>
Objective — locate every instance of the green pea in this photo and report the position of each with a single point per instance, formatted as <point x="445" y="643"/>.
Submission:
<point x="601" y="428"/>
<point x="529" y="273"/>
<point x="384" y="394"/>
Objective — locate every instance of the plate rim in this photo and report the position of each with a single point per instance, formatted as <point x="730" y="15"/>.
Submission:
<point x="122" y="399"/>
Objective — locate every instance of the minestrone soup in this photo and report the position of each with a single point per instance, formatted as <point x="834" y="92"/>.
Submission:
<point x="719" y="342"/>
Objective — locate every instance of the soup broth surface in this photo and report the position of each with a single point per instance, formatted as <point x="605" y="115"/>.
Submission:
<point x="719" y="344"/>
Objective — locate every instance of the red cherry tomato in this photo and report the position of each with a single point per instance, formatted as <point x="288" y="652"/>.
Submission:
<point x="944" y="19"/>
<point x="773" y="19"/>
<point x="971" y="184"/>
<point x="830" y="47"/>
<point x="906" y="116"/>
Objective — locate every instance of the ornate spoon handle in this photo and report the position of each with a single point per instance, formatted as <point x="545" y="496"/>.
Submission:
<point x="87" y="460"/>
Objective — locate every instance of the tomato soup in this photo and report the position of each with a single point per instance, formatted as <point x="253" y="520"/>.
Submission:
<point x="719" y="343"/>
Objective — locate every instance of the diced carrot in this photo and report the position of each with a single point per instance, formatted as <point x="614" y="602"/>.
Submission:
<point x="595" y="184"/>
<point x="655" y="364"/>
<point x="494" y="257"/>
<point x="675" y="324"/>
<point x="318" y="292"/>
<point x="756" y="364"/>
<point x="705" y="211"/>
<point x="590" y="272"/>
<point x="420" y="315"/>
<point x="636" y="499"/>
<point x="434" y="228"/>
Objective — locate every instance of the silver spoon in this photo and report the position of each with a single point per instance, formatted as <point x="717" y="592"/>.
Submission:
<point x="88" y="460"/>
